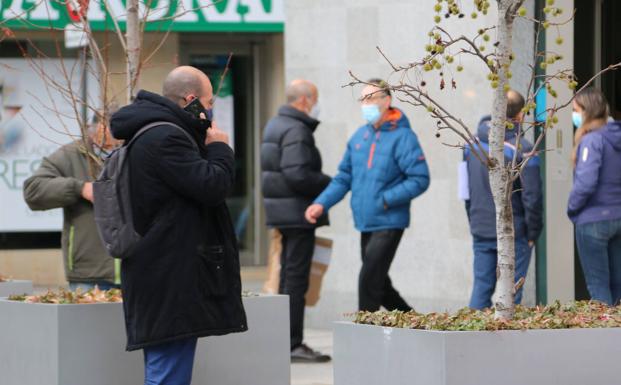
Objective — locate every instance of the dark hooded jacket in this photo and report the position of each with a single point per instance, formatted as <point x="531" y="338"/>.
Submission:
<point x="291" y="169"/>
<point x="527" y="197"/>
<point x="183" y="280"/>
<point x="596" y="193"/>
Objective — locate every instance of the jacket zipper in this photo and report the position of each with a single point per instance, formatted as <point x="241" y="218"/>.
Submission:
<point x="70" y="251"/>
<point x="372" y="151"/>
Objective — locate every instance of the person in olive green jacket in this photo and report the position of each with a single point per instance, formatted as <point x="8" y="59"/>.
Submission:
<point x="64" y="180"/>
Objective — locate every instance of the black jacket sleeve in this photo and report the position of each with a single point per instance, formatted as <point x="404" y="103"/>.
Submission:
<point x="207" y="181"/>
<point x="296" y="160"/>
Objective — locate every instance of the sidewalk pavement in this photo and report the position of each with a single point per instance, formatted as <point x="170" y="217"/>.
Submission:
<point x="321" y="340"/>
<point x="315" y="374"/>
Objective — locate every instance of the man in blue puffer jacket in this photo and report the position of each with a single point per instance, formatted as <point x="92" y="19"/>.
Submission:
<point x="385" y="168"/>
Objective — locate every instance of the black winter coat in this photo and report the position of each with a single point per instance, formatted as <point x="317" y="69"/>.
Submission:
<point x="291" y="169"/>
<point x="184" y="278"/>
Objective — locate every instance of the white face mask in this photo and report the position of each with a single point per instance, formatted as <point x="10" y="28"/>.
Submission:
<point x="576" y="118"/>
<point x="314" y="112"/>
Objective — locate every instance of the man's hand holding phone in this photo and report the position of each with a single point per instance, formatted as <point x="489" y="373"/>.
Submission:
<point x="214" y="134"/>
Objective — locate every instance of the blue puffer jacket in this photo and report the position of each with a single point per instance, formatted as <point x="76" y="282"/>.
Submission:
<point x="384" y="169"/>
<point x="596" y="194"/>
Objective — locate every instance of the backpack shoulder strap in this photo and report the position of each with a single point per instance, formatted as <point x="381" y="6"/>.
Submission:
<point x="162" y="123"/>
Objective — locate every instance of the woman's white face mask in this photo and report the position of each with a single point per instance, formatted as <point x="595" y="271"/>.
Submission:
<point x="576" y="118"/>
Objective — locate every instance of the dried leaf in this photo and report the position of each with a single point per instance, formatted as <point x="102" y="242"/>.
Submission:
<point x="580" y="314"/>
<point x="63" y="296"/>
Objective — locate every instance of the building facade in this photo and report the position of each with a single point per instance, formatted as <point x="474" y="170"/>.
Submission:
<point x="433" y="266"/>
<point x="322" y="40"/>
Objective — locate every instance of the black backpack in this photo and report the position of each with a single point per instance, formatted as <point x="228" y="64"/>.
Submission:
<point x="112" y="202"/>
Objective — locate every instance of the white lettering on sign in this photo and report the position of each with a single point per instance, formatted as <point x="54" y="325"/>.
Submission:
<point x="186" y="12"/>
<point x="43" y="10"/>
<point x="95" y="11"/>
<point x="38" y="10"/>
<point x="257" y="13"/>
<point x="230" y="14"/>
<point x="116" y="8"/>
<point x="160" y="11"/>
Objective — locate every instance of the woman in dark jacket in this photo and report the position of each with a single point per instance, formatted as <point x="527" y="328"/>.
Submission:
<point x="595" y="200"/>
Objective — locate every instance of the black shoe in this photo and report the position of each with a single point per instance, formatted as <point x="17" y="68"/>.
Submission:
<point x="303" y="354"/>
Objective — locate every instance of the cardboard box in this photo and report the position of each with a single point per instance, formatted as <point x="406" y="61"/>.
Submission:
<point x="319" y="266"/>
<point x="321" y="260"/>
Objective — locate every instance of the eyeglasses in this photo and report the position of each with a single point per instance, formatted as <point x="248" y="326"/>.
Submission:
<point x="372" y="97"/>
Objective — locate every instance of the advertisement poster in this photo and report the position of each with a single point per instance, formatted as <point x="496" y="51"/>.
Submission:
<point x="223" y="110"/>
<point x="36" y="118"/>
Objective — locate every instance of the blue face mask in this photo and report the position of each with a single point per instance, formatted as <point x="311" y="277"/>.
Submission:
<point x="576" y="118"/>
<point x="371" y="113"/>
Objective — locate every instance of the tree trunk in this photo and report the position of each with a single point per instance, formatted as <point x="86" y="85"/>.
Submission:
<point x="133" y="47"/>
<point x="500" y="181"/>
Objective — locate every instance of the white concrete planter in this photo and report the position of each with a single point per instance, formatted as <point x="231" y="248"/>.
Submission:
<point x="370" y="355"/>
<point x="15" y="287"/>
<point x="260" y="356"/>
<point x="43" y="344"/>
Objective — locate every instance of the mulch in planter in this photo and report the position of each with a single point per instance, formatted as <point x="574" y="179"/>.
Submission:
<point x="95" y="295"/>
<point x="579" y="314"/>
<point x="63" y="297"/>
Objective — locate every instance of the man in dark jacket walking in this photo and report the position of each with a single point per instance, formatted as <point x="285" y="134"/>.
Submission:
<point x="183" y="280"/>
<point x="292" y="178"/>
<point x="527" y="202"/>
<point x="64" y="180"/>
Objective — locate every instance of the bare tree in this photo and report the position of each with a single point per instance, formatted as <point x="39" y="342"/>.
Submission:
<point x="133" y="37"/>
<point x="444" y="52"/>
<point x="128" y="27"/>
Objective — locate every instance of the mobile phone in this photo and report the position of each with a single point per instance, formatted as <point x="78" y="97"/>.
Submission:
<point x="195" y="108"/>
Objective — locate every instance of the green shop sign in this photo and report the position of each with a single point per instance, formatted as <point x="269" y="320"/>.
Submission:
<point x="161" y="15"/>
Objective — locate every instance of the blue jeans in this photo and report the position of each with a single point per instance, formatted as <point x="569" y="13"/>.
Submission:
<point x="599" y="246"/>
<point x="86" y="286"/>
<point x="485" y="261"/>
<point x="170" y="363"/>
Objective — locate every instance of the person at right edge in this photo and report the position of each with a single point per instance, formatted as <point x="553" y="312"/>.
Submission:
<point x="384" y="167"/>
<point x="292" y="178"/>
<point x="182" y="281"/>
<point x="526" y="201"/>
<point x="595" y="200"/>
